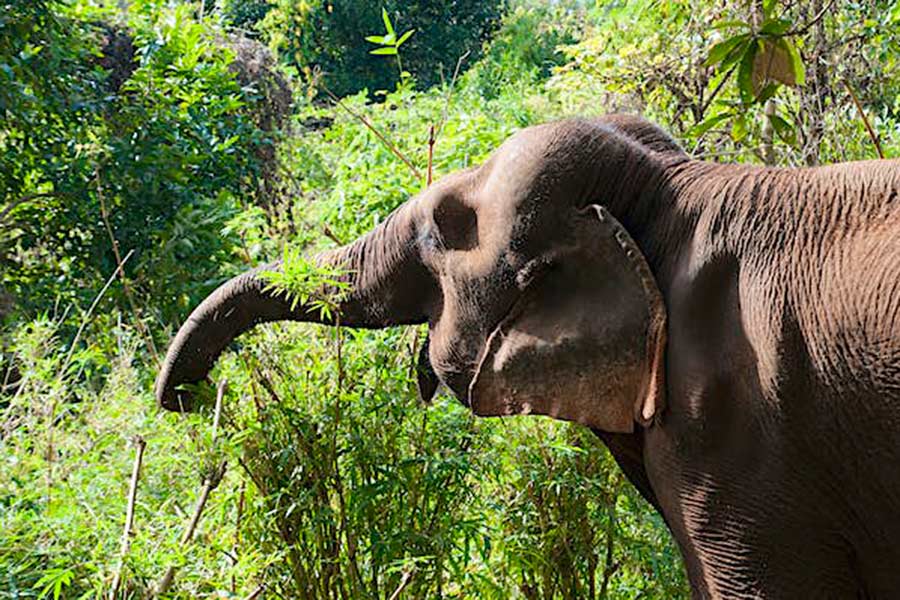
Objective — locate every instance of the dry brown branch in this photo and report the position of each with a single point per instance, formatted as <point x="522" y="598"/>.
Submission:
<point x="431" y="141"/>
<point x="210" y="482"/>
<point x="362" y="119"/>
<point x="256" y="593"/>
<point x="331" y="235"/>
<point x="865" y="119"/>
<point x="139" y="444"/>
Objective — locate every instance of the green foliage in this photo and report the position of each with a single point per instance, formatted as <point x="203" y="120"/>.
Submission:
<point x="245" y="14"/>
<point x="526" y="48"/>
<point x="303" y="282"/>
<point x="390" y="43"/>
<point x="162" y="159"/>
<point x="325" y="38"/>
<point x="764" y="86"/>
<point x="336" y="480"/>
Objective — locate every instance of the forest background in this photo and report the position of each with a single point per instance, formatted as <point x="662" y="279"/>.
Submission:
<point x="150" y="149"/>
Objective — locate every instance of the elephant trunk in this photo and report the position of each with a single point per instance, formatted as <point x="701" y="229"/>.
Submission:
<point x="388" y="285"/>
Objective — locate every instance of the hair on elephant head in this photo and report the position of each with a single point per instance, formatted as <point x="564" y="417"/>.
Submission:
<point x="537" y="299"/>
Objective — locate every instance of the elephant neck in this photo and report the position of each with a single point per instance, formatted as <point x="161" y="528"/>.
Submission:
<point x="661" y="198"/>
<point x="640" y="187"/>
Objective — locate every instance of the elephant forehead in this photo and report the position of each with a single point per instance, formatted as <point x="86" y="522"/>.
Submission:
<point x="516" y="165"/>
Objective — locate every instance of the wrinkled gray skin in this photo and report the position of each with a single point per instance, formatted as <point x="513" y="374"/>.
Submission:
<point x="762" y="418"/>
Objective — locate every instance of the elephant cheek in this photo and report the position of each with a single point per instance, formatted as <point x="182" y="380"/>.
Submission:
<point x="547" y="374"/>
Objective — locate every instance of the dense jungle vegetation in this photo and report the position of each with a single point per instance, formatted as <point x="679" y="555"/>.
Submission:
<point x="149" y="149"/>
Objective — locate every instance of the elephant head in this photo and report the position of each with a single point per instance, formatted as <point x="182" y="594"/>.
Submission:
<point x="537" y="299"/>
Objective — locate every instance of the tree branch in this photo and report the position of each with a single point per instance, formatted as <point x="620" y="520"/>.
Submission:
<point x="803" y="29"/>
<point x="865" y="119"/>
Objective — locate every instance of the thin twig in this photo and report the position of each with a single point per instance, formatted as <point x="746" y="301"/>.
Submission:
<point x="377" y="133"/>
<point x="865" y="119"/>
<point x="237" y="534"/>
<point x="610" y="567"/>
<point x="87" y="316"/>
<point x="431" y="141"/>
<point x="407" y="577"/>
<point x="804" y="28"/>
<point x="433" y="131"/>
<point x="209" y="484"/>
<point x="148" y="339"/>
<point x="459" y="63"/>
<point x="716" y="90"/>
<point x="139" y="444"/>
<point x="256" y="593"/>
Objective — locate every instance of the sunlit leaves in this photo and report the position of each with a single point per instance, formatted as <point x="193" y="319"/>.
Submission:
<point x="316" y="287"/>
<point x="390" y="43"/>
<point x="766" y="56"/>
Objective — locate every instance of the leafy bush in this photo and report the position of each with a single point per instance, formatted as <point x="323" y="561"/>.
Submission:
<point x="526" y="48"/>
<point x="327" y="36"/>
<point x="159" y="165"/>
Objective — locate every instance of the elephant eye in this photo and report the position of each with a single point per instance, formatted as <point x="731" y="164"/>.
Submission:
<point x="456" y="223"/>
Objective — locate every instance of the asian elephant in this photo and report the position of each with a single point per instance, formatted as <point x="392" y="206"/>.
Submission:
<point x="731" y="332"/>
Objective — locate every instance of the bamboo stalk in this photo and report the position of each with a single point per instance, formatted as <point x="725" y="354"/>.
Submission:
<point x="139" y="444"/>
<point x="209" y="484"/>
<point x="237" y="533"/>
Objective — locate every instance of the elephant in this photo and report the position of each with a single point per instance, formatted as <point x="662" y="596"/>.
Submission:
<point x="731" y="332"/>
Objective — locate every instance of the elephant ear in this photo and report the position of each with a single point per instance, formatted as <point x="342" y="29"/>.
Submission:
<point x="585" y="342"/>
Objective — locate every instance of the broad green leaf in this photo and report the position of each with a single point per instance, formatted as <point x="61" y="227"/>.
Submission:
<point x="736" y="53"/>
<point x="775" y="27"/>
<point x="796" y="62"/>
<point x="389" y="50"/>
<point x="767" y="92"/>
<point x="405" y="37"/>
<point x="745" y="74"/>
<point x="784" y="129"/>
<point x="708" y="123"/>
<point x="718" y="52"/>
<point x="739" y="128"/>
<point x="768" y="7"/>
<point x="387" y="21"/>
